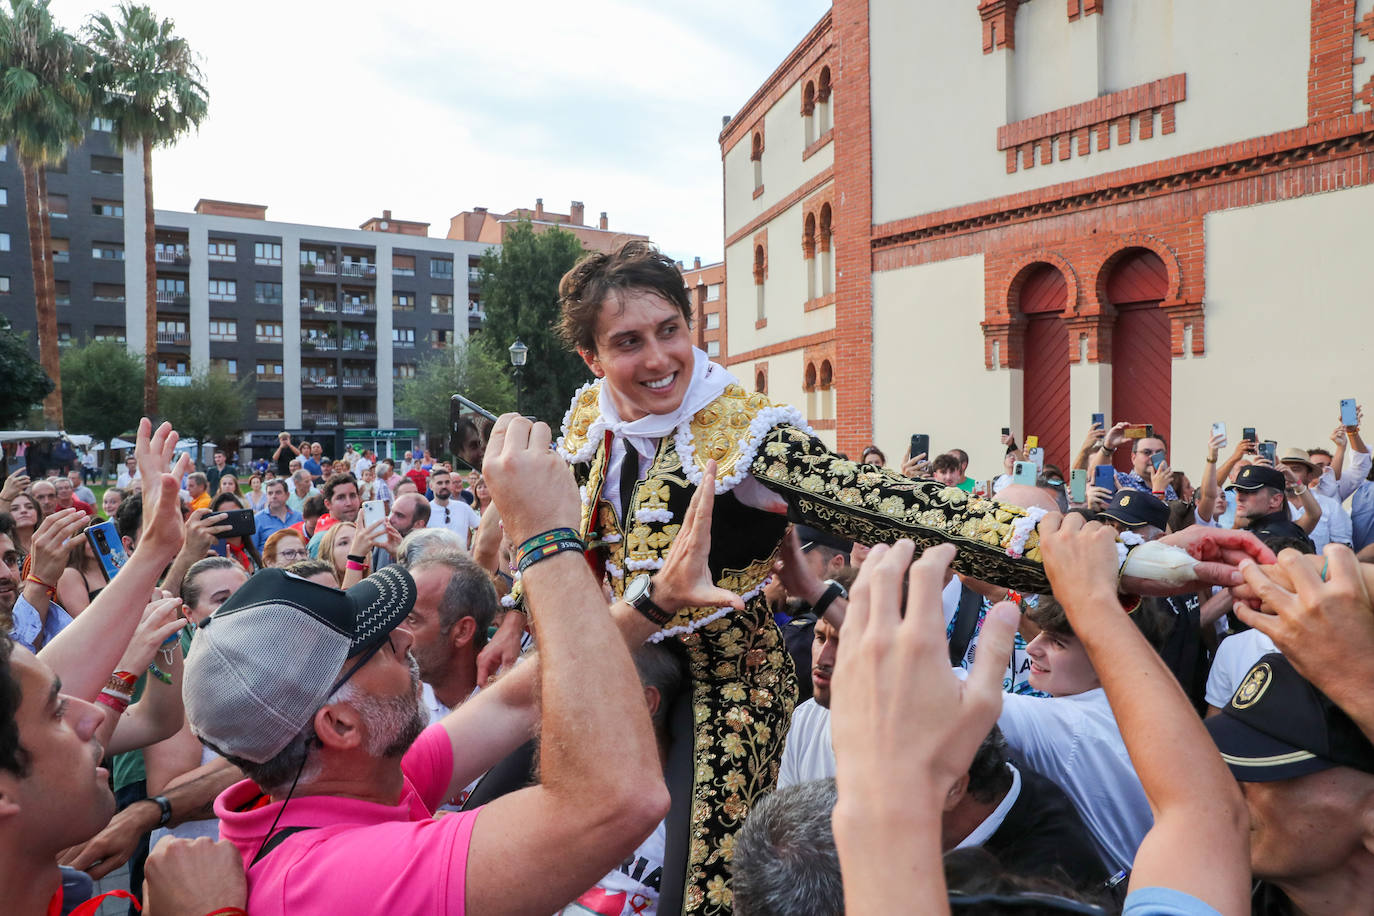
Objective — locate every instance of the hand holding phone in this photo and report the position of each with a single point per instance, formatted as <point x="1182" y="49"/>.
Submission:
<point x="1104" y="476"/>
<point x="1219" y="434"/>
<point x="1350" y="414"/>
<point x="374" y="510"/>
<point x="1100" y="420"/>
<point x="1078" y="485"/>
<point x="107" y="547"/>
<point x="920" y="445"/>
<point x="1157" y="459"/>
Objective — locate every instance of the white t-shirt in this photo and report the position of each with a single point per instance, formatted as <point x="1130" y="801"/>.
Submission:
<point x="437" y="710"/>
<point x="807" y="753"/>
<point x="459" y="518"/>
<point x="1075" y="742"/>
<point x="1236" y="655"/>
<point x="630" y="890"/>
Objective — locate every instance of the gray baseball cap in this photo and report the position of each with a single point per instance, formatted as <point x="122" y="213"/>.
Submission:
<point x="270" y="656"/>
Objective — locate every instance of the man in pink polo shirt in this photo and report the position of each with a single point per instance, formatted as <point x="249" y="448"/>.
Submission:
<point x="314" y="693"/>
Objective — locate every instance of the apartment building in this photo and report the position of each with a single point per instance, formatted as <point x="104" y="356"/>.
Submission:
<point x="481" y="225"/>
<point x="706" y="291"/>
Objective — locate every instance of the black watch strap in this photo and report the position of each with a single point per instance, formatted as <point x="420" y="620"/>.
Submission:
<point x="166" y="806"/>
<point x="832" y="591"/>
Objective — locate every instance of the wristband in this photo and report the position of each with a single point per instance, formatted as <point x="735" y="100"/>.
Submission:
<point x="1211" y="461"/>
<point x="1159" y="493"/>
<point x="354" y="558"/>
<point x="50" y="589"/>
<point x="117" y="702"/>
<point x="543" y="553"/>
<point x="542" y="540"/>
<point x="123" y="680"/>
<point x="832" y="591"/>
<point x="354" y="564"/>
<point x="158" y="673"/>
<point x="228" y="911"/>
<point x="1107" y="451"/>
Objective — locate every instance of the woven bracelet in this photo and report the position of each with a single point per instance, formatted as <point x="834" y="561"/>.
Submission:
<point x="544" y="539"/>
<point x="532" y="557"/>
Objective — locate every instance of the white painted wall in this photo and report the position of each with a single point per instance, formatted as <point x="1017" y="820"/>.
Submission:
<point x="785" y="378"/>
<point x="928" y="374"/>
<point x="1287" y="286"/>
<point x="783" y="168"/>
<point x="938" y="99"/>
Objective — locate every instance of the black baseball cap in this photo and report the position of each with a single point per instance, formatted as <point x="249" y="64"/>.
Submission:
<point x="811" y="537"/>
<point x="1278" y="726"/>
<point x="1136" y="508"/>
<point x="1257" y="476"/>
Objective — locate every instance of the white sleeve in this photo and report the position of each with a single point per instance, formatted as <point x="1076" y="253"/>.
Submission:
<point x="1341" y="530"/>
<point x="1040" y="730"/>
<point x="1356" y="470"/>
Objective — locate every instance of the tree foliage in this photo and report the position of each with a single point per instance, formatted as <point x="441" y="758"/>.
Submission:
<point x="103" y="389"/>
<point x="465" y="369"/>
<point x="210" y="408"/>
<point x="22" y="380"/>
<point x="520" y="296"/>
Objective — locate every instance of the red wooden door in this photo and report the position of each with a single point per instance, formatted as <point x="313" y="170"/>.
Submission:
<point x="1045" y="402"/>
<point x="1142" y="358"/>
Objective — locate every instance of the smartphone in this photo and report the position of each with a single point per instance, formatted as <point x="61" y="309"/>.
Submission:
<point x="1138" y="431"/>
<point x="468" y="427"/>
<point x="1248" y="434"/>
<point x="1104" y="476"/>
<point x="1157" y="459"/>
<point x="1100" y="419"/>
<point x="1219" y="429"/>
<point x="1032" y="441"/>
<point x="1037" y="457"/>
<point x="1006" y="430"/>
<point x="920" y="445"/>
<point x="374" y="510"/>
<point x="1078" y="484"/>
<point x="1269" y="449"/>
<point x="240" y="522"/>
<point x="1350" y="416"/>
<point x="1025" y="472"/>
<point x="107" y="547"/>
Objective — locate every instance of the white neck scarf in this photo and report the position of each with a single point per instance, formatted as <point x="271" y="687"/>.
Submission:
<point x="709" y="381"/>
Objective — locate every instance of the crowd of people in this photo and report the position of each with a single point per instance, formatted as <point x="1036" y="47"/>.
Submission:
<point x="445" y="707"/>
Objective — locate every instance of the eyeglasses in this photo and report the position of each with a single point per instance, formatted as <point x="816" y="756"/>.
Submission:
<point x="1147" y="452"/>
<point x="293" y="554"/>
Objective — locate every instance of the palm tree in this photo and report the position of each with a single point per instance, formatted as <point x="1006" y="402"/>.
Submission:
<point x="152" y="90"/>
<point x="45" y="97"/>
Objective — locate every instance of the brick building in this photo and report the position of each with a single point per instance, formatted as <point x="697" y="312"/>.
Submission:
<point x="706" y="292"/>
<point x="481" y="225"/>
<point x="951" y="217"/>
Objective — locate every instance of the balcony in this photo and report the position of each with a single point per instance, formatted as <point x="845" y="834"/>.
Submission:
<point x="168" y="297"/>
<point x="177" y="338"/>
<point x="320" y="417"/>
<point x="358" y="381"/>
<point x="321" y="306"/>
<point x="174" y="258"/>
<point x="319" y="381"/>
<point x="319" y="269"/>
<point x="270" y="415"/>
<point x="360" y="419"/>
<point x="318" y="344"/>
<point x="358" y="345"/>
<point x="403" y="345"/>
<point x="270" y="377"/>
<point x="358" y="271"/>
<point x="474" y="276"/>
<point x="358" y="308"/>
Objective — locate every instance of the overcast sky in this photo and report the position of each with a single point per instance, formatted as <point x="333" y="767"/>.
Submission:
<point x="330" y="112"/>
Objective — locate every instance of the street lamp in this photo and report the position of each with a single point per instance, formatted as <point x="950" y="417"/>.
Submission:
<point x="518" y="354"/>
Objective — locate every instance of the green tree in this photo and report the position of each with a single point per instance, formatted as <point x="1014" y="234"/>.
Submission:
<point x="151" y="88"/>
<point x="465" y="369"/>
<point x="45" y="96"/>
<point x="211" y="408"/>
<point x="103" y="389"/>
<point x="520" y="296"/>
<point x="21" y="378"/>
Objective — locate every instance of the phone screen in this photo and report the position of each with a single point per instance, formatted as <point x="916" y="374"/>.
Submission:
<point x="1078" y="485"/>
<point x="1100" y="420"/>
<point x="1248" y="433"/>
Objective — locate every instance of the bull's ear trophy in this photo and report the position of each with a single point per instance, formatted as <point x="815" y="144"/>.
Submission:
<point x="469" y="425"/>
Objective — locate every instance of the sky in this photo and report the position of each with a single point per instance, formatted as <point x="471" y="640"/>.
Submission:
<point x="329" y="113"/>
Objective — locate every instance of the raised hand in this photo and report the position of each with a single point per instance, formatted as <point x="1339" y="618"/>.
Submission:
<point x="14" y="485"/>
<point x="1159" y="477"/>
<point x="1096" y="435"/>
<point x="530" y="483"/>
<point x="203" y="528"/>
<point x="53" y="542"/>
<point x="161" y="620"/>
<point x="685" y="579"/>
<point x="1116" y="436"/>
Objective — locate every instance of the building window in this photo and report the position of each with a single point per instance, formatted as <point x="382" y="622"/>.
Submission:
<point x="228" y="366"/>
<point x="107" y="292"/>
<point x="57" y="206"/>
<point x="60" y="252"/>
<point x="63" y="291"/>
<point x="224" y="290"/>
<point x="441" y="338"/>
<point x="171" y="331"/>
<point x="403" y="337"/>
<point x="269" y="371"/>
<point x="441" y="268"/>
<point x="107" y="251"/>
<point x="169" y="252"/>
<point x="173" y="365"/>
<point x="440" y="304"/>
<point x="102" y="208"/>
<point x="712" y="321"/>
<point x="267" y="293"/>
<point x="760" y="264"/>
<point x="225" y="329"/>
<point x="403" y="265"/>
<point x="403" y="370"/>
<point x="64" y="335"/>
<point x="170" y="289"/>
<point x="4" y="241"/>
<point x="4" y="197"/>
<point x="824" y="98"/>
<point x="713" y="348"/>
<point x="268" y="332"/>
<point x="107" y="165"/>
<point x="825" y="264"/>
<point x="105" y="125"/>
<point x="268" y="253"/>
<point x="713" y="293"/>
<point x="756" y="156"/>
<point x="403" y="302"/>
<point x="808" y="114"/>
<point x="4" y="284"/>
<point x="270" y="409"/>
<point x="222" y="250"/>
<point x="109" y="332"/>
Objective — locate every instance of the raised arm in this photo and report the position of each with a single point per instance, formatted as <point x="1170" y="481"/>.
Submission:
<point x="1199" y="843"/>
<point x="1211" y="487"/>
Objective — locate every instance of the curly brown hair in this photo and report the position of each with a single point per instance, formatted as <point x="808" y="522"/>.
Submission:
<point x="634" y="265"/>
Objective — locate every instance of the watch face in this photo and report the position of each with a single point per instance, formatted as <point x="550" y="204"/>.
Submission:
<point x="637" y="589"/>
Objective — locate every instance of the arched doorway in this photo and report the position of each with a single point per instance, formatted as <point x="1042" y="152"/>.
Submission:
<point x="1043" y="298"/>
<point x="1142" y="357"/>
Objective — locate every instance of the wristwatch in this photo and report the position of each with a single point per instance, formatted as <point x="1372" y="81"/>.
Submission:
<point x="166" y="806"/>
<point x="832" y="591"/>
<point x="638" y="595"/>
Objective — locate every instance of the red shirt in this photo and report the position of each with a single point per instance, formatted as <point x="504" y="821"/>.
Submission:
<point x="421" y="478"/>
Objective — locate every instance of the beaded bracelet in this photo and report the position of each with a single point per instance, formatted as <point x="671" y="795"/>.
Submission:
<point x="532" y="557"/>
<point x="543" y="540"/>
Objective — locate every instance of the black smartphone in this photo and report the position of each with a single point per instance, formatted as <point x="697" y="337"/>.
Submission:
<point x="1100" y="419"/>
<point x="920" y="445"/>
<point x="1006" y="430"/>
<point x="1104" y="476"/>
<point x="1248" y="432"/>
<point x="469" y="424"/>
<point x="1269" y="449"/>
<point x="107" y="547"/>
<point x="241" y="524"/>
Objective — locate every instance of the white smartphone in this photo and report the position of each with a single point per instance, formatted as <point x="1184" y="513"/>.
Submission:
<point x="1037" y="455"/>
<point x="374" y="510"/>
<point x="1219" y="429"/>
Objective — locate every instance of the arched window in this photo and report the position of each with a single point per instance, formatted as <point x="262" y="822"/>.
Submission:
<point x="756" y="154"/>
<point x="809" y="386"/>
<point x="808" y="113"/>
<point x="1043" y="298"/>
<point x="759" y="270"/>
<point x="761" y="382"/>
<point x="827" y="391"/>
<point x="809" y="253"/>
<point x="1142" y="356"/>
<point x="824" y="98"/>
<point x="825" y="264"/>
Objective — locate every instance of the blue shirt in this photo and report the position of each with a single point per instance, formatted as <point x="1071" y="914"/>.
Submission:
<point x="28" y="627"/>
<point x="268" y="525"/>
<point x="313" y="466"/>
<point x="1362" y="516"/>
<point x="1165" y="901"/>
<point x="1130" y="480"/>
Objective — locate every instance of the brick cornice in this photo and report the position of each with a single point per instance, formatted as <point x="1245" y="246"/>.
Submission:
<point x="782" y="346"/>
<point x="772" y="212"/>
<point x="1336" y="138"/>
<point x="807" y="51"/>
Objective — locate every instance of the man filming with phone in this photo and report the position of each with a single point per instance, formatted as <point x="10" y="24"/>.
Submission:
<point x="1150" y="469"/>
